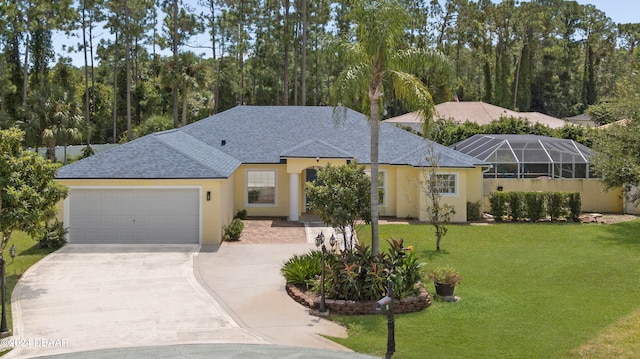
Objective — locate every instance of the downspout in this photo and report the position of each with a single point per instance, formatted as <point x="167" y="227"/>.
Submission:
<point x="484" y="170"/>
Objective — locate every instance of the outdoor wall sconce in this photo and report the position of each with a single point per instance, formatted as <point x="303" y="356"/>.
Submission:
<point x="208" y="195"/>
<point x="500" y="188"/>
<point x="317" y="159"/>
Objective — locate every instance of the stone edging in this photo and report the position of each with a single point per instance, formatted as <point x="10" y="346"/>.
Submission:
<point x="351" y="307"/>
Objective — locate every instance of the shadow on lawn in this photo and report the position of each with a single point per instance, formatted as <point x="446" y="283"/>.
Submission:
<point x="432" y="253"/>
<point x="624" y="234"/>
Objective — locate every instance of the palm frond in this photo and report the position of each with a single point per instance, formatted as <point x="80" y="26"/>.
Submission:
<point x="351" y="85"/>
<point x="414" y="94"/>
<point x="423" y="61"/>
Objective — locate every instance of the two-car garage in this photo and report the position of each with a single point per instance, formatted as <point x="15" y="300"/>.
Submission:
<point x="133" y="215"/>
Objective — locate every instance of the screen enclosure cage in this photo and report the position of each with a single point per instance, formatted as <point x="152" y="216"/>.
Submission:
<point x="528" y="156"/>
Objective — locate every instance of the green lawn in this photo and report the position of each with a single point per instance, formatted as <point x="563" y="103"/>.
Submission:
<point x="28" y="254"/>
<point x="527" y="291"/>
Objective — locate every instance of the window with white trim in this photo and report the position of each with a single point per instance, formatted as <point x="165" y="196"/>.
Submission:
<point x="261" y="187"/>
<point x="382" y="176"/>
<point x="447" y="183"/>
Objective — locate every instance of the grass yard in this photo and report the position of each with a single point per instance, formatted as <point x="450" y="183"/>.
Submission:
<point x="527" y="291"/>
<point x="28" y="254"/>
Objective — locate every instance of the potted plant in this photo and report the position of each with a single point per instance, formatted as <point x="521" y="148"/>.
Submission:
<point x="445" y="280"/>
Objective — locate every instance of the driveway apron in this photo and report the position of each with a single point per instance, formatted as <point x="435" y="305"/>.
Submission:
<point x="87" y="297"/>
<point x="245" y="279"/>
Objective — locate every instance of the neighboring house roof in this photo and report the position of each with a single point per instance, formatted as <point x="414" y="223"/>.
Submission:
<point x="582" y="119"/>
<point x="215" y="146"/>
<point x="616" y="123"/>
<point x="476" y="111"/>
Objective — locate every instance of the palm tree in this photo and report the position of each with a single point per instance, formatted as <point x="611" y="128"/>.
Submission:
<point x="379" y="59"/>
<point x="186" y="75"/>
<point x="53" y="119"/>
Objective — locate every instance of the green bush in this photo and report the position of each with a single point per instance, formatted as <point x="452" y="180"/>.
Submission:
<point x="555" y="205"/>
<point x="54" y="236"/>
<point x="574" y="203"/>
<point x="233" y="231"/>
<point x="534" y="205"/>
<point x="303" y="269"/>
<point x="241" y="214"/>
<point x="498" y="204"/>
<point x="473" y="211"/>
<point x="516" y="205"/>
<point x="360" y="275"/>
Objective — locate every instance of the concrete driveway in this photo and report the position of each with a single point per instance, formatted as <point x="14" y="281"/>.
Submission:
<point x="91" y="297"/>
<point x="246" y="281"/>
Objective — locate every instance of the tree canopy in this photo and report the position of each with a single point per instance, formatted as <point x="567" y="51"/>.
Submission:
<point x="340" y="195"/>
<point x="192" y="59"/>
<point x="28" y="190"/>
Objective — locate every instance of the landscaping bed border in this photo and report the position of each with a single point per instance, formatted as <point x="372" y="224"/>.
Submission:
<point x="352" y="307"/>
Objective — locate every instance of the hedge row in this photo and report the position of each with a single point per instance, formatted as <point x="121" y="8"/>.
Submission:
<point x="535" y="206"/>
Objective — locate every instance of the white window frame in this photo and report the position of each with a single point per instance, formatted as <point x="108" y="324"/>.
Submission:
<point x="383" y="174"/>
<point x="275" y="188"/>
<point x="455" y="190"/>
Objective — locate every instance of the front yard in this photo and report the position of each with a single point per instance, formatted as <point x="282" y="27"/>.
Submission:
<point x="528" y="290"/>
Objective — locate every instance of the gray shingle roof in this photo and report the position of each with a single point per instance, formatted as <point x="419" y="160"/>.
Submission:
<point x="311" y="148"/>
<point x="215" y="146"/>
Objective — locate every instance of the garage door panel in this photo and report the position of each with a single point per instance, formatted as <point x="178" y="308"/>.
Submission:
<point x="163" y="215"/>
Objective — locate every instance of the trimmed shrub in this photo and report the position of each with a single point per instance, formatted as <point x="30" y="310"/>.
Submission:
<point x="516" y="205"/>
<point x="534" y="205"/>
<point x="555" y="205"/>
<point x="473" y="211"/>
<point x="233" y="231"/>
<point x="498" y="204"/>
<point x="574" y="203"/>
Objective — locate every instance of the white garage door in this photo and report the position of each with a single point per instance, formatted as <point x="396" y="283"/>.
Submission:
<point x="158" y="215"/>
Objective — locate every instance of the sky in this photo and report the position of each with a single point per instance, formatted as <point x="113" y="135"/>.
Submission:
<point x="620" y="11"/>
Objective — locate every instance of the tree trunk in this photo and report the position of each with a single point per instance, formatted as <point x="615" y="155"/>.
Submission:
<point x="86" y="69"/>
<point x="184" y="106"/>
<point x="174" y="48"/>
<point x="303" y="80"/>
<point x="25" y="81"/>
<point x="374" y="98"/>
<point x="115" y="92"/>
<point x="285" y="76"/>
<point x="127" y="55"/>
<point x="93" y="77"/>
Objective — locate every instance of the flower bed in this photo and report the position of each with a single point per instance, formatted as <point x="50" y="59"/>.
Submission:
<point x="351" y="307"/>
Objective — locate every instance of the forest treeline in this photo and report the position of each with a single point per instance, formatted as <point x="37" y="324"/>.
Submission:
<point x="142" y="72"/>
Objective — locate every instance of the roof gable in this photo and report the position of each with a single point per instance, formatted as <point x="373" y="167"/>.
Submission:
<point x="312" y="148"/>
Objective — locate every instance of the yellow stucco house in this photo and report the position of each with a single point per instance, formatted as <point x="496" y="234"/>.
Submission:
<point x="183" y="185"/>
